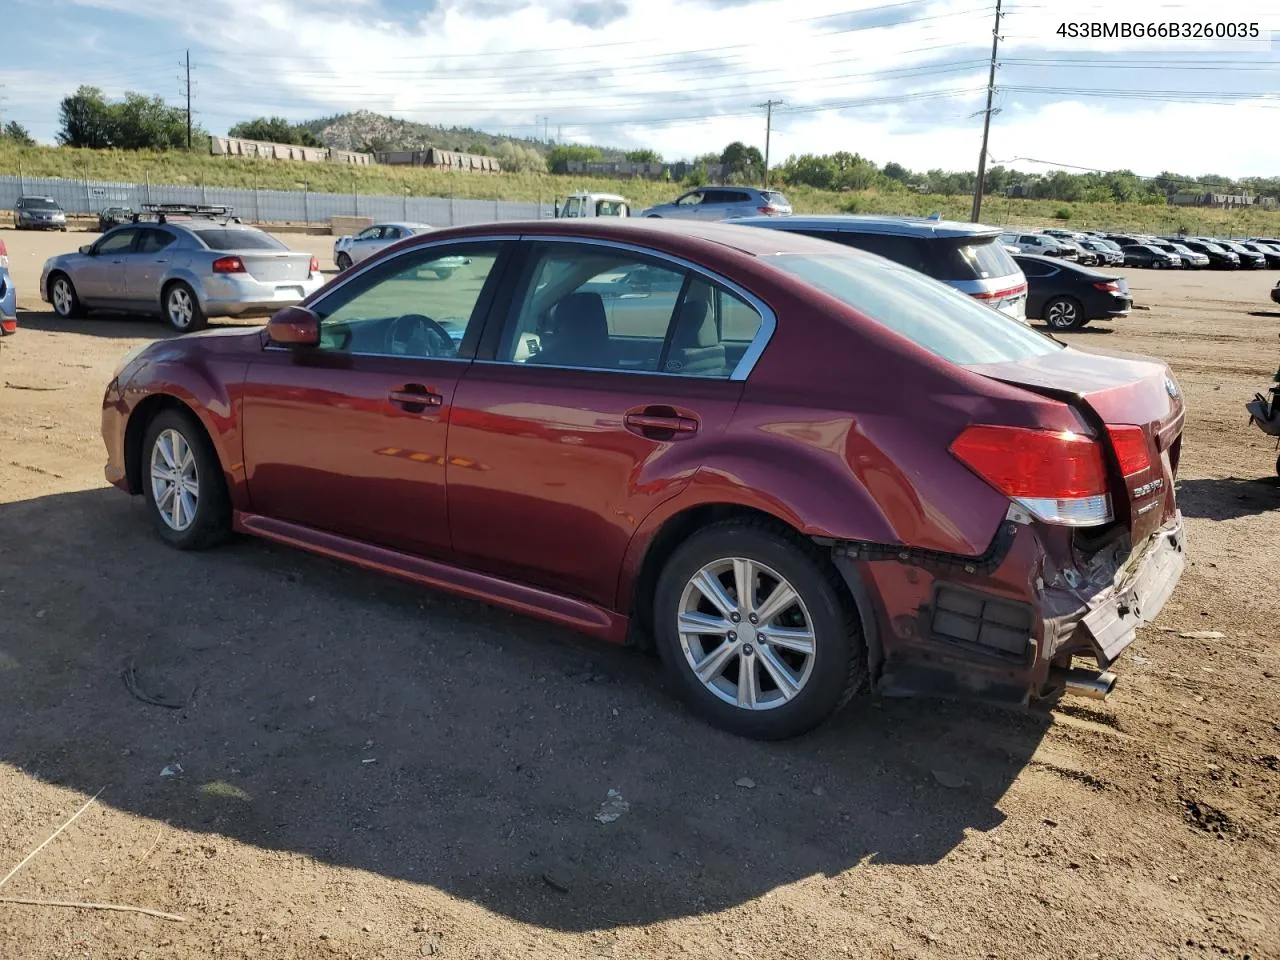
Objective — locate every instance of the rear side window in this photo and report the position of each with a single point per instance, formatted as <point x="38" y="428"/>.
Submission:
<point x="972" y="260"/>
<point x="1032" y="269"/>
<point x="217" y="238"/>
<point x="930" y="314"/>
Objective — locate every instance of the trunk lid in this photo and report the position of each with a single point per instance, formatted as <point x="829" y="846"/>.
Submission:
<point x="272" y="266"/>
<point x="1115" y="390"/>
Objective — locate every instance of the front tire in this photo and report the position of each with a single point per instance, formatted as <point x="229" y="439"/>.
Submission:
<point x="1064" y="313"/>
<point x="62" y="294"/>
<point x="756" y="630"/>
<point x="343" y="261"/>
<point x="183" y="483"/>
<point x="182" y="310"/>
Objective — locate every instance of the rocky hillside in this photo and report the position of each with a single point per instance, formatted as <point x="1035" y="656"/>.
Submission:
<point x="366" y="129"/>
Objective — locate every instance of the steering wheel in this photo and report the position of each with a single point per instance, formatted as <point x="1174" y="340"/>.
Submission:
<point x="416" y="335"/>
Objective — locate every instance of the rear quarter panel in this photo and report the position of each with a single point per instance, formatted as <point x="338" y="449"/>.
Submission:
<point x="849" y="440"/>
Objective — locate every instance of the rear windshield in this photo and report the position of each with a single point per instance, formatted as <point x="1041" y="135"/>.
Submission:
<point x="775" y="198"/>
<point x="973" y="260"/>
<point x="34" y="203"/>
<point x="216" y="238"/>
<point x="932" y="315"/>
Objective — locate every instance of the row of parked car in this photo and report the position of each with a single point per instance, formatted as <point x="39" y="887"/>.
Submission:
<point x="1143" y="250"/>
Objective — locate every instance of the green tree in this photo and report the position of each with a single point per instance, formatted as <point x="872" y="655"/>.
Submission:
<point x="147" y="123"/>
<point x="644" y="156"/>
<point x="558" y="158"/>
<point x="16" y="133"/>
<point x="479" y="149"/>
<point x="85" y="119"/>
<point x="275" y="130"/>
<point x="742" y="161"/>
<point x="896" y="171"/>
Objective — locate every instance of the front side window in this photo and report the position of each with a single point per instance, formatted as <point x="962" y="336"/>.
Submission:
<point x="421" y="305"/>
<point x="689" y="200"/>
<point x="931" y="314"/>
<point x="369" y="233"/>
<point x="119" y="242"/>
<point x="591" y="307"/>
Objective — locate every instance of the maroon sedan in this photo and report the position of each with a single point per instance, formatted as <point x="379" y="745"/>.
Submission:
<point x="797" y="469"/>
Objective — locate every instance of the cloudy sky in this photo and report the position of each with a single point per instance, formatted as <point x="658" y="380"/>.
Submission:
<point x="899" y="81"/>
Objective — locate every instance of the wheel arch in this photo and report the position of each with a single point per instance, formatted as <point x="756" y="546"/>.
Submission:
<point x="660" y="539"/>
<point x="150" y="407"/>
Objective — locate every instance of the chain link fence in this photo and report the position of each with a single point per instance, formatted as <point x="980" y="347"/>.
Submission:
<point x="89" y="197"/>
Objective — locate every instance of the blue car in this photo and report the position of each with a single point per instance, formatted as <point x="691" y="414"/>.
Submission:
<point x="8" y="296"/>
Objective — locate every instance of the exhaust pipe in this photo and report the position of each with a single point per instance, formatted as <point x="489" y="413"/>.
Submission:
<point x="1093" y="684"/>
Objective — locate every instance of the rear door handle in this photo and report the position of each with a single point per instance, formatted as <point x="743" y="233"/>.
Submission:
<point x="415" y="398"/>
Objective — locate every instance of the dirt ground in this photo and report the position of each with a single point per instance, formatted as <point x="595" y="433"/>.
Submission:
<point x="368" y="770"/>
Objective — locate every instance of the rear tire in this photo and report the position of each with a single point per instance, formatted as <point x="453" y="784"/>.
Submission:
<point x="182" y="309"/>
<point x="804" y="655"/>
<point x="1064" y="313"/>
<point x="183" y="484"/>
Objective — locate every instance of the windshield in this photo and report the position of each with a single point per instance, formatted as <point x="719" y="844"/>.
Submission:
<point x="932" y="315"/>
<point x="609" y="208"/>
<point x="223" y="239"/>
<point x="974" y="260"/>
<point x="36" y="203"/>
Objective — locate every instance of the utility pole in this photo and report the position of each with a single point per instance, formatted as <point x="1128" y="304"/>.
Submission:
<point x="188" y="99"/>
<point x="986" y="120"/>
<point x="768" y="130"/>
<point x="546" y="132"/>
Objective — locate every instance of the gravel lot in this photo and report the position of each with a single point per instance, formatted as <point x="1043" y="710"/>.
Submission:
<point x="372" y="770"/>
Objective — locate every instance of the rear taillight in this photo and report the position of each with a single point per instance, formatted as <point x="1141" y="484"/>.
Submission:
<point x="1108" y="285"/>
<point x="9" y="326"/>
<point x="767" y="211"/>
<point x="229" y="265"/>
<point x="4" y="254"/>
<point x="1130" y="445"/>
<point x="997" y="295"/>
<point x="315" y="266"/>
<point x="1059" y="477"/>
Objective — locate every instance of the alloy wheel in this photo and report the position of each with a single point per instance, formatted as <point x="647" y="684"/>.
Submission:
<point x="62" y="297"/>
<point x="175" y="480"/>
<point x="1062" y="314"/>
<point x="181" y="308"/>
<point x="746" y="634"/>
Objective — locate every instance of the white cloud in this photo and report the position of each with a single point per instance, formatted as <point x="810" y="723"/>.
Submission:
<point x="655" y="61"/>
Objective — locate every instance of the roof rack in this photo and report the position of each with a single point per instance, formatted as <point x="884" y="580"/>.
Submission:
<point x="162" y="211"/>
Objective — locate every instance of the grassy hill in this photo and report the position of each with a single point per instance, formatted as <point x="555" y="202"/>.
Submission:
<point x="176" y="167"/>
<point x="351" y="131"/>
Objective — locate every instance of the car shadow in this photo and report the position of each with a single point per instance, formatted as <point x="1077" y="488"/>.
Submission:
<point x="334" y="713"/>
<point x="112" y="325"/>
<point x="1086" y="330"/>
<point x="1275" y="314"/>
<point x="1229" y="498"/>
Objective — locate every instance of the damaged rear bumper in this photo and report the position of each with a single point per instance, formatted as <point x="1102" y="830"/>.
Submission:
<point x="1006" y="626"/>
<point x="1106" y="624"/>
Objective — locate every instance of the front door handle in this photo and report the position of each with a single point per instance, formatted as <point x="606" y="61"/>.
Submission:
<point x="660" y="423"/>
<point x="415" y="398"/>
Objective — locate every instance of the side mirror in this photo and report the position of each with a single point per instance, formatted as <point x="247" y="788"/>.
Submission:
<point x="87" y="249"/>
<point x="294" y="327"/>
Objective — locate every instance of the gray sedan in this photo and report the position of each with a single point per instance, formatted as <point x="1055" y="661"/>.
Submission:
<point x="350" y="250"/>
<point x="185" y="272"/>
